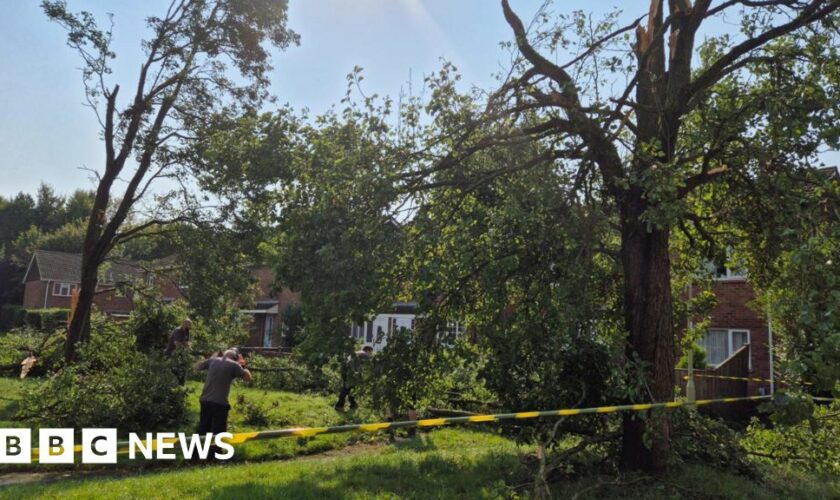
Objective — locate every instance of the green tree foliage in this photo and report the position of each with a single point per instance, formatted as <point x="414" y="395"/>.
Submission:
<point x="199" y="57"/>
<point x="152" y="320"/>
<point x="47" y="222"/>
<point x="810" y="445"/>
<point x="547" y="213"/>
<point x="115" y="385"/>
<point x="333" y="238"/>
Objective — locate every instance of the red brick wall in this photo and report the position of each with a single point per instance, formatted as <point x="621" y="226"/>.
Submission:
<point x="33" y="294"/>
<point x="735" y="310"/>
<point x="284" y="298"/>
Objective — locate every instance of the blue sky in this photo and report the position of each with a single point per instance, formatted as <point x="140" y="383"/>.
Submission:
<point x="47" y="134"/>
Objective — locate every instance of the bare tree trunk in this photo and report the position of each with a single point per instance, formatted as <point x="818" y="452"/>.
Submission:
<point x="648" y="315"/>
<point x="79" y="329"/>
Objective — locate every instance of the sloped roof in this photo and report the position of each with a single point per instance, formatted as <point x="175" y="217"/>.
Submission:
<point x="830" y="172"/>
<point x="67" y="267"/>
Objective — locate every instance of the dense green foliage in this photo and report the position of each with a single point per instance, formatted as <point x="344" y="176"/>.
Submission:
<point x="47" y="221"/>
<point x="18" y="344"/>
<point x="113" y="385"/>
<point x="812" y="445"/>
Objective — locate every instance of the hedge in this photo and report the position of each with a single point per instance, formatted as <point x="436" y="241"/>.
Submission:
<point x="11" y="316"/>
<point x="45" y="320"/>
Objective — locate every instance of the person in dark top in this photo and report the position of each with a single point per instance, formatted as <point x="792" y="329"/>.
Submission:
<point x="351" y="376"/>
<point x="179" y="346"/>
<point x="179" y="338"/>
<point x="221" y="371"/>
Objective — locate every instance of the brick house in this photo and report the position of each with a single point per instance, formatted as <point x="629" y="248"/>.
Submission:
<point x="269" y="306"/>
<point x="51" y="277"/>
<point x="734" y="323"/>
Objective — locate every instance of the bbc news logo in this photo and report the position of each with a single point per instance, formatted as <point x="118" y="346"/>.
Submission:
<point x="100" y="446"/>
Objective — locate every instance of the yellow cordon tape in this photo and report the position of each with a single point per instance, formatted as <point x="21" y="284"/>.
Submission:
<point x="243" y="437"/>
<point x="748" y="379"/>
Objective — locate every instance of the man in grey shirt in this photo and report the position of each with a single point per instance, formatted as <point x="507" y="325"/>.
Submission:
<point x="214" y="398"/>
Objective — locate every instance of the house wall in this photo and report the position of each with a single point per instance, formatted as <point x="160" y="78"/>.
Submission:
<point x="734" y="309"/>
<point x="285" y="297"/>
<point x="33" y="294"/>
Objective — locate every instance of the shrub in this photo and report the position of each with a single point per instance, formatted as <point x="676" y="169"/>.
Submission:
<point x="252" y="412"/>
<point x="699" y="358"/>
<point x="811" y="445"/>
<point x="16" y="345"/>
<point x="226" y="328"/>
<point x="701" y="440"/>
<point x="416" y="373"/>
<point x="46" y="320"/>
<point x="152" y="321"/>
<point x="11" y="316"/>
<point x="111" y="385"/>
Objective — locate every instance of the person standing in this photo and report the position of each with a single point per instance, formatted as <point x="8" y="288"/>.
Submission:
<point x="179" y="338"/>
<point x="350" y="377"/>
<point x="179" y="346"/>
<point x="221" y="371"/>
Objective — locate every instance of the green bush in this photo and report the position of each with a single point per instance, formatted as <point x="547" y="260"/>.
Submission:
<point x="46" y="320"/>
<point x="701" y="440"/>
<point x="48" y="347"/>
<point x="111" y="385"/>
<point x="811" y="445"/>
<point x="699" y="358"/>
<point x="11" y="316"/>
<point x="228" y="327"/>
<point x="152" y="320"/>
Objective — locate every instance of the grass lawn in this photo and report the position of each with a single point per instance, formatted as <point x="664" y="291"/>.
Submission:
<point x="282" y="409"/>
<point x="455" y="463"/>
<point x="448" y="463"/>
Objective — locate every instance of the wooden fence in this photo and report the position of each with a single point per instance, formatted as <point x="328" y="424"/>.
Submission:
<point x="708" y="387"/>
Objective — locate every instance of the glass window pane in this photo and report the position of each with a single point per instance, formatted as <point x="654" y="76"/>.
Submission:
<point x="716" y="344"/>
<point x="739" y="338"/>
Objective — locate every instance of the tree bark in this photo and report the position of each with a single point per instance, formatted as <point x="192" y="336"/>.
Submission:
<point x="648" y="316"/>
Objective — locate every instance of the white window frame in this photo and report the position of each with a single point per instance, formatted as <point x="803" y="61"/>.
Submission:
<point x="730" y="344"/>
<point x="60" y="287"/>
<point x="731" y="275"/>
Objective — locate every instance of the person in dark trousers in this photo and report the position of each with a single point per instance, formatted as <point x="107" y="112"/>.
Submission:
<point x="351" y="375"/>
<point x="221" y="371"/>
<point x="179" y="342"/>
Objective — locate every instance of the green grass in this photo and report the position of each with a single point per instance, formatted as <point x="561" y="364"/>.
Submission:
<point x="283" y="409"/>
<point x="457" y="463"/>
<point x="445" y="464"/>
<point x="697" y="481"/>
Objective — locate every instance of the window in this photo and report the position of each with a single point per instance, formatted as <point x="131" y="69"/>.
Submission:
<point x="720" y="343"/>
<point x="369" y="333"/>
<point x="268" y="331"/>
<point x="726" y="267"/>
<point x="722" y="272"/>
<point x="63" y="289"/>
<point x="392" y="326"/>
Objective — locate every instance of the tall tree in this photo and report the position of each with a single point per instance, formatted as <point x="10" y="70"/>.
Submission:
<point x="639" y="141"/>
<point x="183" y="77"/>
